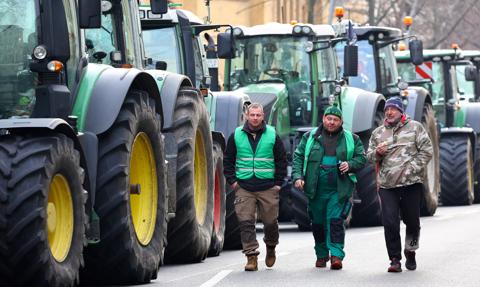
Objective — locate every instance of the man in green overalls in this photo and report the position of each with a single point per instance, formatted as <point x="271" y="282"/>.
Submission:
<point x="323" y="166"/>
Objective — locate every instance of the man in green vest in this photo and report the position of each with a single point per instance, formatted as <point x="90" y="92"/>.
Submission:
<point x="255" y="166"/>
<point x="323" y="167"/>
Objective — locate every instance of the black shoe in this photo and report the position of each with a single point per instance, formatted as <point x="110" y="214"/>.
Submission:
<point x="395" y="266"/>
<point x="411" y="264"/>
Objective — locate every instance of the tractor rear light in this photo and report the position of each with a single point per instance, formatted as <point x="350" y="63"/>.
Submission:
<point x="407" y="21"/>
<point x="40" y="52"/>
<point x="402" y="46"/>
<point x="55" y="66"/>
<point x="404" y="93"/>
<point x="339" y="12"/>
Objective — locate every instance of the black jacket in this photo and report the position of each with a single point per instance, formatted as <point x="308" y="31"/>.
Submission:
<point x="254" y="183"/>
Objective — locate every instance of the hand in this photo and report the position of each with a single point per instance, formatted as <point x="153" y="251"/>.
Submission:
<point x="299" y="183"/>
<point x="382" y="149"/>
<point x="344" y="167"/>
<point x="234" y="185"/>
<point x="277" y="187"/>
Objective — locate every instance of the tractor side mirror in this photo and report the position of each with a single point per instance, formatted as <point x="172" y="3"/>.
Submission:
<point x="416" y="51"/>
<point x="89" y="14"/>
<point x="161" y="65"/>
<point x="159" y="6"/>
<point x="471" y="73"/>
<point x="350" y="61"/>
<point x="225" y="48"/>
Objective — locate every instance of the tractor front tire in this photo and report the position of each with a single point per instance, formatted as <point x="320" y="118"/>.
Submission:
<point x="190" y="232"/>
<point x="456" y="163"/>
<point x="42" y="216"/>
<point x="131" y="197"/>
<point x="431" y="186"/>
<point x="218" y="232"/>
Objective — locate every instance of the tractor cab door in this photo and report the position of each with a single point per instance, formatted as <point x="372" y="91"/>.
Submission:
<point x="116" y="42"/>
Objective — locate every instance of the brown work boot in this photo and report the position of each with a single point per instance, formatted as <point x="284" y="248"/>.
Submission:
<point x="270" y="257"/>
<point x="321" y="262"/>
<point x="252" y="264"/>
<point x="336" y="263"/>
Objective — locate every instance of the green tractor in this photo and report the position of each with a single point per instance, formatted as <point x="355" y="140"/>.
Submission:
<point x="174" y="43"/>
<point x="96" y="154"/>
<point x="377" y="72"/>
<point x="292" y="71"/>
<point x="453" y="82"/>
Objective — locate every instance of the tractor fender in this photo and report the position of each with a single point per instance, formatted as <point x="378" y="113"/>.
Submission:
<point x="229" y="111"/>
<point x="444" y="132"/>
<point x="109" y="93"/>
<point x="169" y="84"/>
<point x="359" y="108"/>
<point x="417" y="97"/>
<point x="85" y="143"/>
<point x="472" y="116"/>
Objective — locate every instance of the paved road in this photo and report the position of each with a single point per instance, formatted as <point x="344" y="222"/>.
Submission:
<point x="449" y="255"/>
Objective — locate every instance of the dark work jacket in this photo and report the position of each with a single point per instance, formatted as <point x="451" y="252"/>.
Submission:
<point x="345" y="186"/>
<point x="254" y="183"/>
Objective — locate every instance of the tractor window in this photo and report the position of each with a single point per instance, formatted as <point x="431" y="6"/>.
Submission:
<point x="161" y="46"/>
<point x="438" y="86"/>
<point x="18" y="38"/>
<point x="388" y="69"/>
<point x="198" y="64"/>
<point x="327" y="70"/>
<point x="74" y="39"/>
<point x="466" y="89"/>
<point x="366" y="78"/>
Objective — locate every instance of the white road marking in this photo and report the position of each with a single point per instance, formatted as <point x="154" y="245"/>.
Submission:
<point x="215" y="279"/>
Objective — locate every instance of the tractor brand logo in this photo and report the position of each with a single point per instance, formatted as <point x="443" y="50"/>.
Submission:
<point x="424" y="71"/>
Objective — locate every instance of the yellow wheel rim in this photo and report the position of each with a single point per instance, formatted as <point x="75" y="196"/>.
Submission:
<point x="200" y="179"/>
<point x="143" y="188"/>
<point x="60" y="217"/>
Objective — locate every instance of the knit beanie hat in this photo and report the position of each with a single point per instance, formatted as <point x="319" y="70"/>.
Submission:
<point x="333" y="110"/>
<point x="395" y="102"/>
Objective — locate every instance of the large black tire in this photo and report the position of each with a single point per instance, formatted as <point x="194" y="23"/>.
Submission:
<point x="456" y="163"/>
<point x="232" y="228"/>
<point x="131" y="196"/>
<point x="299" y="209"/>
<point x="368" y="211"/>
<point x="42" y="211"/>
<point x="431" y="184"/>
<point x="218" y="230"/>
<point x="190" y="232"/>
<point x="477" y="173"/>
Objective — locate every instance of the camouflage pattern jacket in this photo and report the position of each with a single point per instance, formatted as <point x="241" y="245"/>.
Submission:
<point x="408" y="153"/>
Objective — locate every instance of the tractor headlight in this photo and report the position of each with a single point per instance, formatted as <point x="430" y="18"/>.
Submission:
<point x="308" y="46"/>
<point x="306" y="30"/>
<point x="40" y="52"/>
<point x="237" y="32"/>
<point x="297" y="29"/>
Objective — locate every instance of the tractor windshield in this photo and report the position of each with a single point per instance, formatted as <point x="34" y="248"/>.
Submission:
<point x="269" y="59"/>
<point x="18" y="37"/>
<point x="466" y="89"/>
<point x="327" y="70"/>
<point x="162" y="47"/>
<point x="366" y="78"/>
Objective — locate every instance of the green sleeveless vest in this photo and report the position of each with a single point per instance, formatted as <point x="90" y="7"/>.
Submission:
<point x="350" y="149"/>
<point x="262" y="162"/>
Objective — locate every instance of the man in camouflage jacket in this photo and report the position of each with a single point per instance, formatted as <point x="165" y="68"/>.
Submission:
<point x="400" y="149"/>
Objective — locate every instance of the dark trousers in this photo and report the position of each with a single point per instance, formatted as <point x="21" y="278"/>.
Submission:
<point x="404" y="201"/>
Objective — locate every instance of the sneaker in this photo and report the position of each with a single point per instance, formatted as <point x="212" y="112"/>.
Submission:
<point x="321" y="262"/>
<point x="395" y="266"/>
<point x="411" y="264"/>
<point x="336" y="263"/>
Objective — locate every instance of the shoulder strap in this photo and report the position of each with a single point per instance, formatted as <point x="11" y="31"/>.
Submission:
<point x="350" y="144"/>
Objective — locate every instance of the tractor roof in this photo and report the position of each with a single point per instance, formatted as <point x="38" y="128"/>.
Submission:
<point x="365" y="31"/>
<point x="171" y="16"/>
<point x="284" y="29"/>
<point x="429" y="54"/>
<point x="472" y="55"/>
